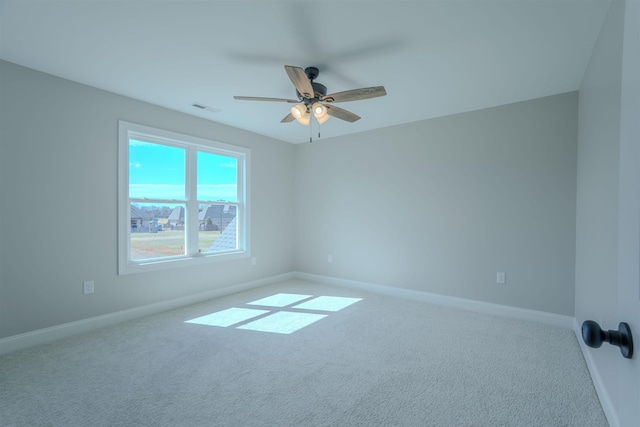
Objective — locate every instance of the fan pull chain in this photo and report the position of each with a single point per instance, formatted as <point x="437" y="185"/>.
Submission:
<point x="311" y="130"/>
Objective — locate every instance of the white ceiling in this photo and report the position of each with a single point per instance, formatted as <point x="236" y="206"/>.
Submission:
<point x="434" y="58"/>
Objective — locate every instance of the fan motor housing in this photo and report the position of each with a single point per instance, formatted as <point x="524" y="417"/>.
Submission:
<point x="318" y="88"/>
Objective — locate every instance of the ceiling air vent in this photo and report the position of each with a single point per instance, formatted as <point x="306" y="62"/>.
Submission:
<point x="204" y="107"/>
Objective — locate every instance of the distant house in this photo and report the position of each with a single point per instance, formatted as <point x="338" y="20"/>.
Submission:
<point x="228" y="239"/>
<point x="140" y="220"/>
<point x="216" y="217"/>
<point x="176" y="218"/>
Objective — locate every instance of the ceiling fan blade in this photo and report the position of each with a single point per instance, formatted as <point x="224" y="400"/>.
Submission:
<point x="300" y="80"/>
<point x="342" y="114"/>
<point x="355" y="94"/>
<point x="288" y="118"/>
<point x="256" y="98"/>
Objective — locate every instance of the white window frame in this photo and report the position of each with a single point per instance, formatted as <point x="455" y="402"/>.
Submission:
<point x="126" y="131"/>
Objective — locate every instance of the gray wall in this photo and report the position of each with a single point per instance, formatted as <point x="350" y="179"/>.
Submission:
<point x="438" y="206"/>
<point x="608" y="206"/>
<point x="442" y="205"/>
<point x="58" y="177"/>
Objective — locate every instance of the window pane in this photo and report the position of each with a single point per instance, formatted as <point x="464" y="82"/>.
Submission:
<point x="157" y="230"/>
<point x="217" y="177"/>
<point x="156" y="171"/>
<point x="217" y="230"/>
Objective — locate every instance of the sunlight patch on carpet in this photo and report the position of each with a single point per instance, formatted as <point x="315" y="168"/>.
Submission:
<point x="283" y="322"/>
<point x="279" y="319"/>
<point x="280" y="300"/>
<point x="228" y="317"/>
<point x="327" y="303"/>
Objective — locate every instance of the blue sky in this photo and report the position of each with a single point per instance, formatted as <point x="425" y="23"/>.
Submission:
<point x="158" y="172"/>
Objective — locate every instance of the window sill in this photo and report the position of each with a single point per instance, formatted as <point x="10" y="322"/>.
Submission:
<point x="177" y="262"/>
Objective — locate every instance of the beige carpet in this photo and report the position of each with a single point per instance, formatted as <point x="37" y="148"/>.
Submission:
<point x="376" y="361"/>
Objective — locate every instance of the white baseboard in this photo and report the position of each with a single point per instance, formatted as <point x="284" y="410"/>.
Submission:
<point x="41" y="336"/>
<point x="601" y="390"/>
<point x="462" y="303"/>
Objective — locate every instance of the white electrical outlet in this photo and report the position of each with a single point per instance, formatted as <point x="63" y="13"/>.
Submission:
<point x="501" y="277"/>
<point x="253" y="260"/>
<point x="88" y="287"/>
<point x="329" y="258"/>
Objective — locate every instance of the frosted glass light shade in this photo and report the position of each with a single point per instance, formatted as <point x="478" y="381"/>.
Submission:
<point x="301" y="114"/>
<point x="298" y="110"/>
<point x="323" y="119"/>
<point x="319" y="109"/>
<point x="320" y="112"/>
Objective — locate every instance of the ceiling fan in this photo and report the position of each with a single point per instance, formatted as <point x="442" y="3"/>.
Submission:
<point x="313" y="98"/>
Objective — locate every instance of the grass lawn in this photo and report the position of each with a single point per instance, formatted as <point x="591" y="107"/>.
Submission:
<point x="169" y="242"/>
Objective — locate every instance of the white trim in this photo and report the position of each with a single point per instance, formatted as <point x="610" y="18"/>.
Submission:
<point x="41" y="336"/>
<point x="604" y="397"/>
<point x="462" y="303"/>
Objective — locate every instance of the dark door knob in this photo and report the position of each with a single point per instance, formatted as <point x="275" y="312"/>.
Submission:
<point x="594" y="336"/>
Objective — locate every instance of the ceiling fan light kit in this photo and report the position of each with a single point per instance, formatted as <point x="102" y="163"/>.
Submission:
<point x="311" y="96"/>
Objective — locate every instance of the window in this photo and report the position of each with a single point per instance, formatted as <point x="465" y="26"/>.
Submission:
<point x="182" y="199"/>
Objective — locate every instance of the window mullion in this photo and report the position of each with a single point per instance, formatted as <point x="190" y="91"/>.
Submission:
<point x="240" y="192"/>
<point x="192" y="202"/>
